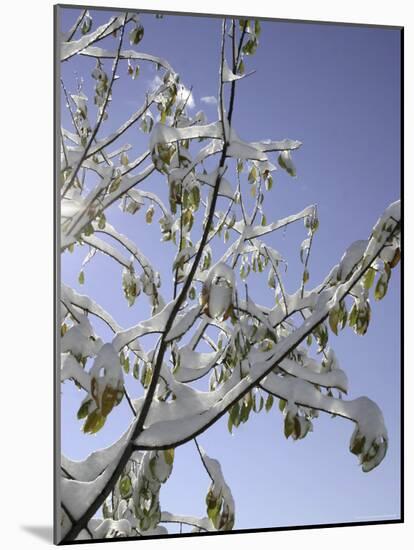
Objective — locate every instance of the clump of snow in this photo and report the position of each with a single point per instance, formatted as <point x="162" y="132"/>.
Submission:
<point x="110" y="529"/>
<point x="80" y="339"/>
<point x="350" y="259"/>
<point x="219" y="496"/>
<point x="217" y="294"/>
<point x="182" y="323"/>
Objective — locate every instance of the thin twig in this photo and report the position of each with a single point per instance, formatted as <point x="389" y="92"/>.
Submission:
<point x="76" y="25"/>
<point x="202" y="459"/>
<point x="279" y="280"/>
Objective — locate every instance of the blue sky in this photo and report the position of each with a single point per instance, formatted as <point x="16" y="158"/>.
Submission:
<point x="337" y="89"/>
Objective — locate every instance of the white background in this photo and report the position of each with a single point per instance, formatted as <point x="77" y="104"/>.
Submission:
<point x="26" y="228"/>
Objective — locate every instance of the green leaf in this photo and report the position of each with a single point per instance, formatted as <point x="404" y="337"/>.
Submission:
<point x="143" y="374"/>
<point x="269" y="402"/>
<point x="342" y="314"/>
<point x="116" y="182"/>
<point x="94" y="422"/>
<point x="126" y="365"/>
<point x="269" y="183"/>
<point x="282" y="405"/>
<point x="125" y="487"/>
<point x="397" y="256"/>
<point x="234" y="414"/>
<point x="144" y="125"/>
<point x="314" y="224"/>
<point x="136" y="35"/>
<point x="148" y="377"/>
<point x="109" y="400"/>
<point x="135" y="370"/>
<point x="353" y="316"/>
<point x="358" y="445"/>
<point x="252" y="177"/>
<point x="149" y="214"/>
<point x="195" y="197"/>
<point x="305" y="276"/>
<point x="381" y="288"/>
<point x="250" y="47"/>
<point x="229" y="424"/>
<point x="297" y="428"/>
<point x="244" y="412"/>
<point x="101" y="221"/>
<point x="369" y="278"/>
<point x="213" y="507"/>
<point x="289" y="426"/>
<point x="169" y="456"/>
<point x="213" y="512"/>
<point x="285" y="162"/>
<point x="84" y="409"/>
<point x="334" y="320"/>
<point x="321" y="335"/>
<point x="211" y="500"/>
<point x="89" y="230"/>
<point x="86" y="24"/>
<point x="81" y="278"/>
<point x="124" y="159"/>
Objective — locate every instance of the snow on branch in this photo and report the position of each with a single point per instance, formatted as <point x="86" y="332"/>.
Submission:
<point x="71" y="369"/>
<point x="369" y="440"/>
<point x="220" y="502"/>
<point x="92" y="467"/>
<point x="77" y="496"/>
<point x="192" y="365"/>
<point x="259" y="231"/>
<point x="199" y="524"/>
<point x="155" y="324"/>
<point x="101" y="53"/>
<point x="83" y="212"/>
<point x="69" y="49"/>
<point x="334" y="379"/>
<point x="71" y="299"/>
<point x="107" y="249"/>
<point x="104" y="142"/>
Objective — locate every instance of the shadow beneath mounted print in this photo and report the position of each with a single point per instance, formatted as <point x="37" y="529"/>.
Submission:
<point x="43" y="532"/>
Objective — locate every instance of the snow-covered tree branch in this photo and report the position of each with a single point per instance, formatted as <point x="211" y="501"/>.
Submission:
<point x="215" y="188"/>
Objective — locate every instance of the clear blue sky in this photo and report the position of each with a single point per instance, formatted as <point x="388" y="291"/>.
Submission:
<point x="337" y="89"/>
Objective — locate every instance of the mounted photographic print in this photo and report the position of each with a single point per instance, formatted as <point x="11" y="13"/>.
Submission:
<point x="228" y="301"/>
